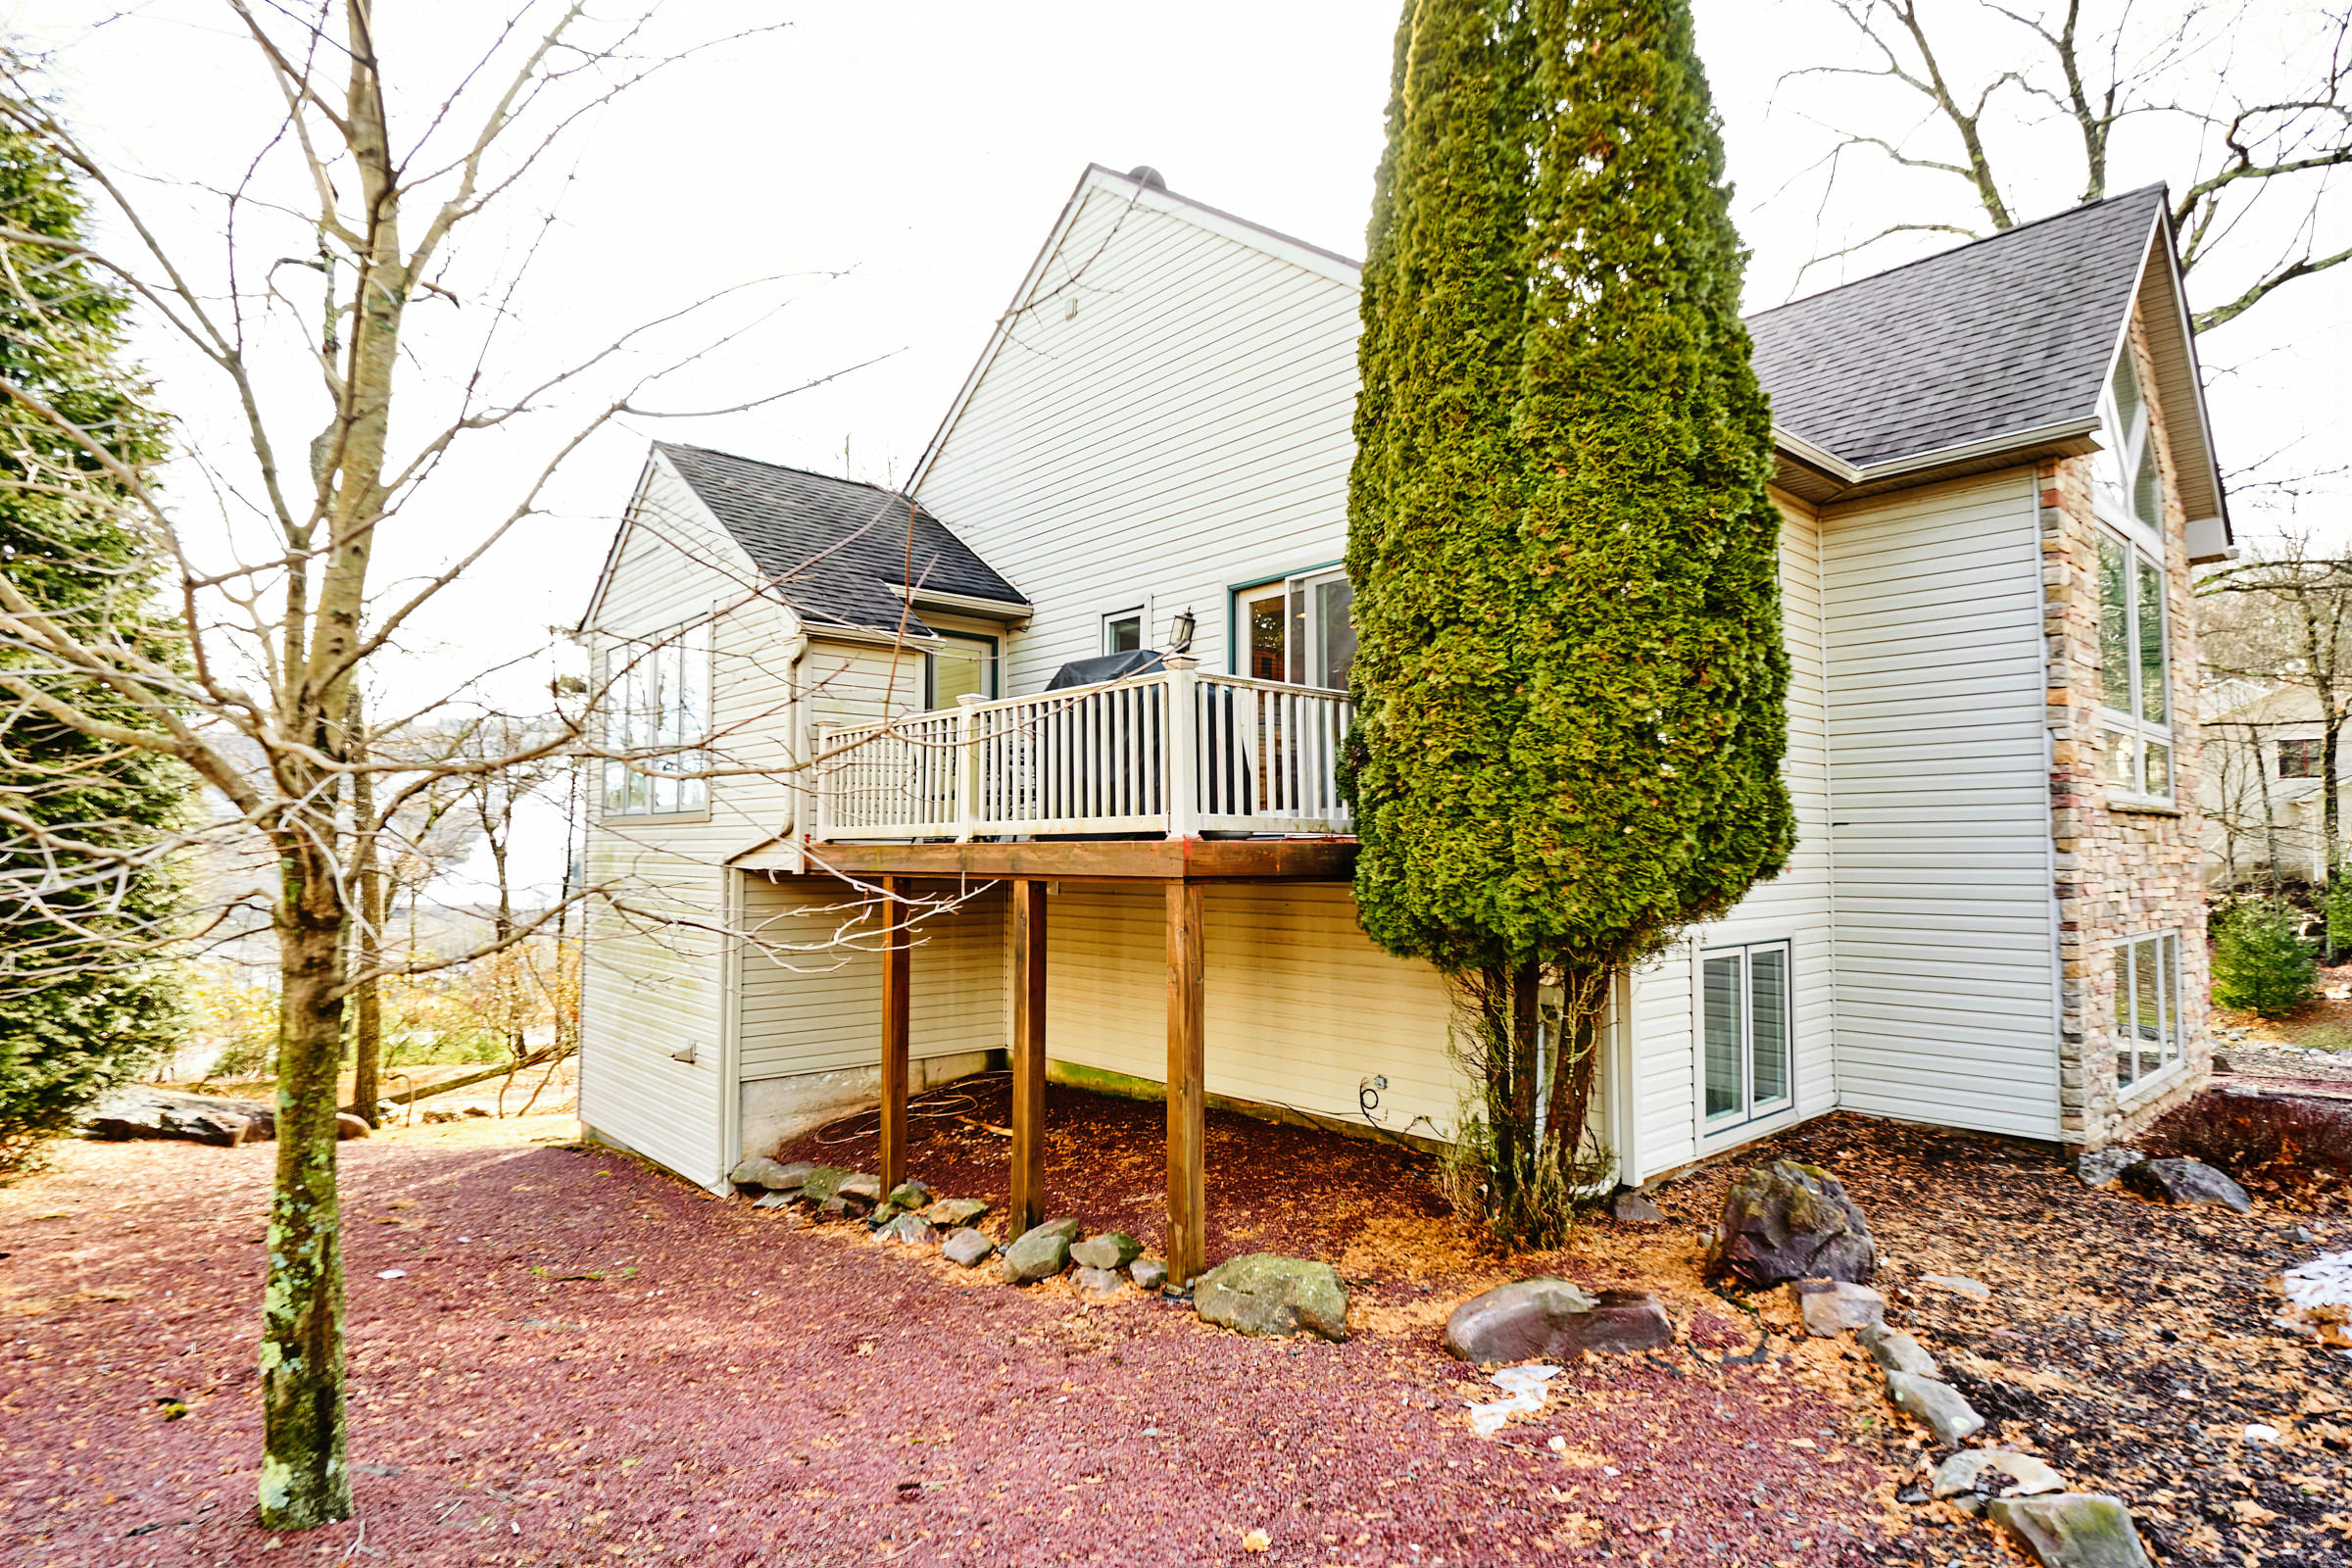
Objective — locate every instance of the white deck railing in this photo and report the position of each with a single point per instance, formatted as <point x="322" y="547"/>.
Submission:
<point x="1179" y="752"/>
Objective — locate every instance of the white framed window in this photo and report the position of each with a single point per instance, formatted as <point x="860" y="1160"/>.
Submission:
<point x="1300" y="629"/>
<point x="2148" y="1005"/>
<point x="1746" y="1050"/>
<point x="1123" y="630"/>
<point x="2136" y="739"/>
<point x="964" y="664"/>
<point x="2300" y="757"/>
<point x="2127" y="487"/>
<point x="657" y="702"/>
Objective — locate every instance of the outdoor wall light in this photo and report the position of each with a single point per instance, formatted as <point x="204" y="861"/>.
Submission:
<point x="1182" y="631"/>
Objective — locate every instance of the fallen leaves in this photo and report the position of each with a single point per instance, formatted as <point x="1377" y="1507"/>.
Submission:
<point x="1257" y="1540"/>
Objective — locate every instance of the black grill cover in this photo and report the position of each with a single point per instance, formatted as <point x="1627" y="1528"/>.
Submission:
<point x="1105" y="667"/>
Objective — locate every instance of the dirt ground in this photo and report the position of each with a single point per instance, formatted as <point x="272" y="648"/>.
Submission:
<point x="580" y="1360"/>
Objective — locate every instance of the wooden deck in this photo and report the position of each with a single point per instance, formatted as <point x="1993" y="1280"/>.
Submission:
<point x="1321" y="859"/>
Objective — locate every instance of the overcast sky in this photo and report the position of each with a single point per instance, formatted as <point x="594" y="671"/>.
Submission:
<point x="920" y="150"/>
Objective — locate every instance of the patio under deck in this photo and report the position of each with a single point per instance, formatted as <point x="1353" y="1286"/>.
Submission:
<point x="1184" y="868"/>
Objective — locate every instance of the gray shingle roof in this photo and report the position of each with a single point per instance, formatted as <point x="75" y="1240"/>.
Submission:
<point x="2008" y="335"/>
<point x="835" y="546"/>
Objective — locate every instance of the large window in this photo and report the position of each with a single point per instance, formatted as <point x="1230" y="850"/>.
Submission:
<point x="1299" y="629"/>
<point x="2136" y="739"/>
<point x="656" y="693"/>
<point x="2148" y="1005"/>
<point x="2299" y="759"/>
<point x="2135" y="743"/>
<point x="2125" y="481"/>
<point x="964" y="664"/>
<point x="1745" y="1017"/>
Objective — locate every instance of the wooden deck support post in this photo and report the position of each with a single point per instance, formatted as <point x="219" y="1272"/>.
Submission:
<point x="1028" y="1055"/>
<point x="894" y="993"/>
<point x="1188" y="1242"/>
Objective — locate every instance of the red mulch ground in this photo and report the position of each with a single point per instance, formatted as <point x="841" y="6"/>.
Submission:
<point x="728" y="1387"/>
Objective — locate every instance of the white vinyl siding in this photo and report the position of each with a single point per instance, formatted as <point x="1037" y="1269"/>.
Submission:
<point x="1300" y="1007"/>
<point x="1667" y="1124"/>
<point x="1188" y="430"/>
<point x="821" y="1010"/>
<point x="1946" y="1004"/>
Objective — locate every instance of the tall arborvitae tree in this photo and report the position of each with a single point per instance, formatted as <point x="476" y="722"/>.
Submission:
<point x="1570" y="676"/>
<point x="83" y="1002"/>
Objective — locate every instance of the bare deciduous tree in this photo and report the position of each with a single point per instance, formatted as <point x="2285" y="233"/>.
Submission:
<point x="2285" y="620"/>
<point x="2081" y="72"/>
<point x="301" y="553"/>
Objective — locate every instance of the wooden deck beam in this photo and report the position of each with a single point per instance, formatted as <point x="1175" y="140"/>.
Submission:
<point x="895" y="998"/>
<point x="1187" y="1247"/>
<point x="1028" y="1056"/>
<point x="1101" y="859"/>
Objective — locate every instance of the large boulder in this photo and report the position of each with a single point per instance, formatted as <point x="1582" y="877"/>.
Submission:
<point x="1994" y="1473"/>
<point x="754" y="1171"/>
<point x="1111" y="1250"/>
<point x="1265" y="1293"/>
<point x="1094" y="1283"/>
<point x="1832" y="1308"/>
<point x="2099" y="1167"/>
<point x="140" y="1110"/>
<point x="819" y="1182"/>
<point x="2074" y="1530"/>
<point x="1938" y="1406"/>
<point x="2176" y="1180"/>
<point x="1552" y="1319"/>
<point x="1895" y="1352"/>
<point x="967" y="1248"/>
<point x="1039" y="1253"/>
<point x="1786" y="1221"/>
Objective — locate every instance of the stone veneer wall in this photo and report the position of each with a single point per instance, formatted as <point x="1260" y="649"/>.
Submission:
<point x="2123" y="870"/>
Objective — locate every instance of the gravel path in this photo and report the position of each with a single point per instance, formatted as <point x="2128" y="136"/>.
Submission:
<point x="584" y="1360"/>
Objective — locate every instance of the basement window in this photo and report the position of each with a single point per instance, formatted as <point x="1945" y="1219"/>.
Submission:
<point x="2148" y="1007"/>
<point x="1744" y="1017"/>
<point x="655" y="698"/>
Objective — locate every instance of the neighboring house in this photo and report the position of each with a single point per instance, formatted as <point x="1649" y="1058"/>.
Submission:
<point x="2260" y="789"/>
<point x="1995" y="472"/>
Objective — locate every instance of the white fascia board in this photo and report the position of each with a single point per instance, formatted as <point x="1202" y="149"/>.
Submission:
<point x="963" y="604"/>
<point x="604" y="576"/>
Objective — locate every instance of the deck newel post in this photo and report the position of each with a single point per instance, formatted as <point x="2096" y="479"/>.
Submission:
<point x="1028" y="1055"/>
<point x="821" y="803"/>
<point x="968" y="765"/>
<point x="1188" y="1197"/>
<point x="894" y="993"/>
<point x="1183" y="745"/>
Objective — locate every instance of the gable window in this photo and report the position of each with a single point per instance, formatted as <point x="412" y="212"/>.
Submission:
<point x="655" y="702"/>
<point x="2136" y="742"/>
<point x="1123" y="631"/>
<point x="1744" y="1017"/>
<point x="2299" y="759"/>
<point x="2148" y="1005"/>
<point x="1299" y="629"/>
<point x="2127" y="487"/>
<point x="964" y="664"/>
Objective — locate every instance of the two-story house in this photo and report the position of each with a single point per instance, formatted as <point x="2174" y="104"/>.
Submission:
<point x="1994" y="471"/>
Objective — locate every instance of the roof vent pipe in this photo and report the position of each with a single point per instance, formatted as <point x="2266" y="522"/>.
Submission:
<point x="1149" y="179"/>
